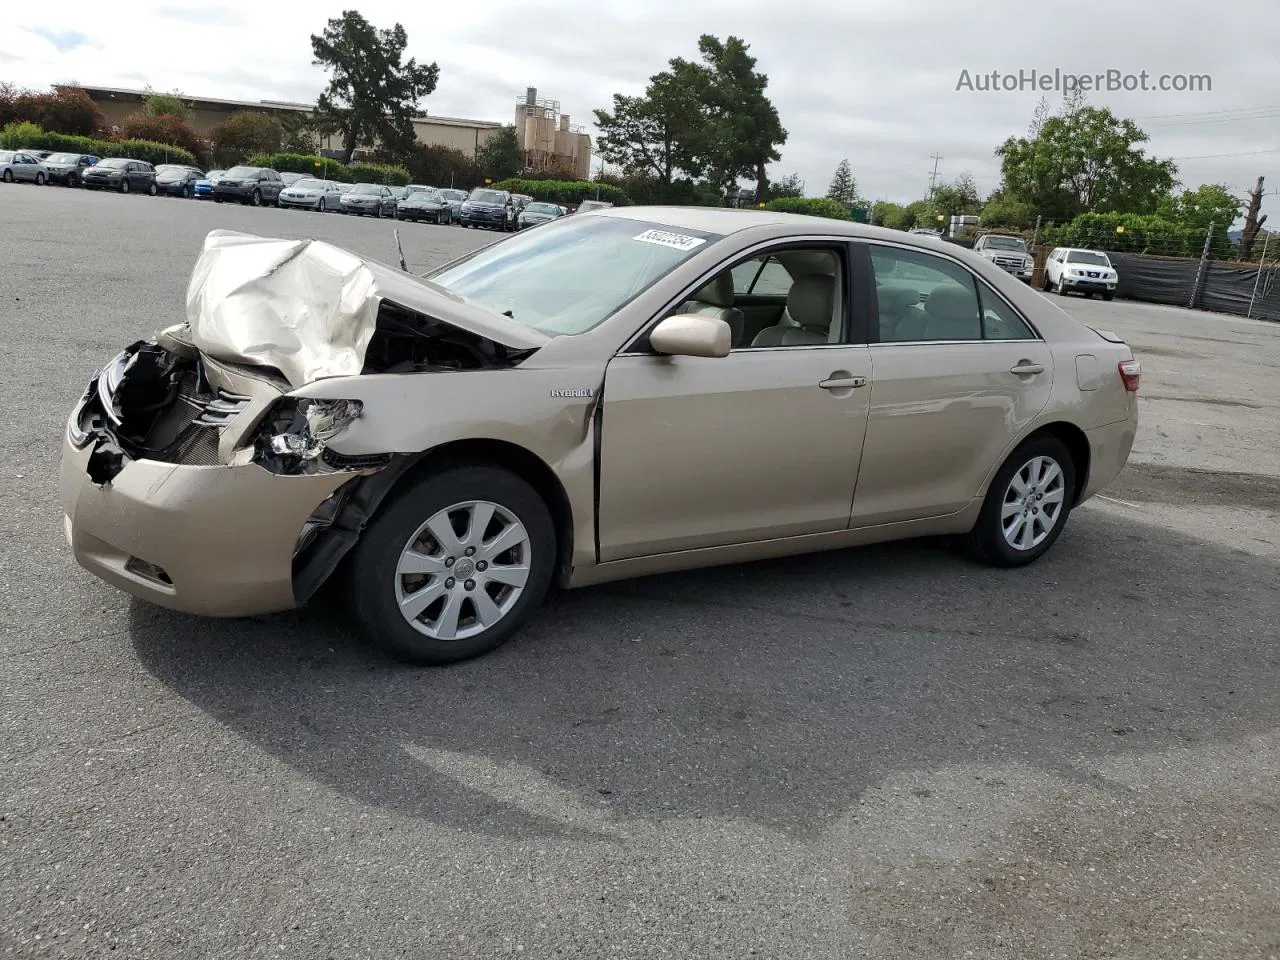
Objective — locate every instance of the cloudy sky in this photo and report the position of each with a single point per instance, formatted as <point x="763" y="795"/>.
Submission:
<point x="871" y="80"/>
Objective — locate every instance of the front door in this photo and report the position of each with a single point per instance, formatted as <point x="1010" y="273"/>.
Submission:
<point x="764" y="443"/>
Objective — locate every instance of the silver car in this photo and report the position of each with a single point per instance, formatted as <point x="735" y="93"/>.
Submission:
<point x="311" y="193"/>
<point x="21" y="165"/>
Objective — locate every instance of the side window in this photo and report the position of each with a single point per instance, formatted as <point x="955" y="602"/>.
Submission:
<point x="761" y="276"/>
<point x="999" y="322"/>
<point x="923" y="297"/>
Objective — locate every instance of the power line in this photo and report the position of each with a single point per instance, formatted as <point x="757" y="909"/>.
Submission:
<point x="1216" y="156"/>
<point x="1207" y="113"/>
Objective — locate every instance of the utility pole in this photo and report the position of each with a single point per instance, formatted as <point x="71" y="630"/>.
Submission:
<point x="933" y="177"/>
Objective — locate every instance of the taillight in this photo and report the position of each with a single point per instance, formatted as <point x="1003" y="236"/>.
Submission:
<point x="1130" y="373"/>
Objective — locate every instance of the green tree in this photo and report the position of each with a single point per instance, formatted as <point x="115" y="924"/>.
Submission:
<point x="741" y="130"/>
<point x="958" y="198"/>
<point x="999" y="211"/>
<point x="499" y="156"/>
<point x="789" y="186"/>
<point x="843" y="188"/>
<point x="1210" y="203"/>
<point x="167" y="104"/>
<point x="443" y="167"/>
<point x="245" y="133"/>
<point x="159" y="128"/>
<point x="373" y="93"/>
<point x="656" y="134"/>
<point x="891" y="215"/>
<point x="1084" y="160"/>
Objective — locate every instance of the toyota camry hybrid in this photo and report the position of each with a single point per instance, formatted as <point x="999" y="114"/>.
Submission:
<point x="614" y="394"/>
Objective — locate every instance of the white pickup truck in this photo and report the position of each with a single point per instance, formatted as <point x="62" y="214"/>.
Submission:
<point x="1008" y="253"/>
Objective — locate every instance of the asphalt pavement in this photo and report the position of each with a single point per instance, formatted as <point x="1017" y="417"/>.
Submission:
<point x="887" y="752"/>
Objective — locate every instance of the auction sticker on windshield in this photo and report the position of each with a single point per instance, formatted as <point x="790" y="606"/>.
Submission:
<point x="677" y="241"/>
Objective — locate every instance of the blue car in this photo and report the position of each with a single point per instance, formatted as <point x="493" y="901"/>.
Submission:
<point x="203" y="189"/>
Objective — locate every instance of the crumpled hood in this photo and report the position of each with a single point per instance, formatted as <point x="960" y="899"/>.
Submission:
<point x="309" y="309"/>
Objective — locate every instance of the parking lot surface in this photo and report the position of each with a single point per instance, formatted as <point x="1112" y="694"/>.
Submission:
<point x="884" y="752"/>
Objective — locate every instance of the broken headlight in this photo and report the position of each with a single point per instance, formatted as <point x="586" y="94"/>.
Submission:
<point x="295" y="434"/>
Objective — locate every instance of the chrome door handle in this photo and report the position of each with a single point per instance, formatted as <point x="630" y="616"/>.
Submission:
<point x="843" y="383"/>
<point x="1027" y="369"/>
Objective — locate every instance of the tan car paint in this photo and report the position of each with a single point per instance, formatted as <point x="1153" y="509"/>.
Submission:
<point x="687" y="479"/>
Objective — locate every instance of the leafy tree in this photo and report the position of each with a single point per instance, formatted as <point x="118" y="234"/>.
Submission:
<point x="1211" y="203"/>
<point x="443" y="167"/>
<point x="65" y="109"/>
<point x="167" y="104"/>
<point x="1002" y="212"/>
<point x="372" y="96"/>
<point x="958" y="198"/>
<point x="656" y="134"/>
<point x="789" y="186"/>
<point x="245" y="133"/>
<point x="298" y="134"/>
<point x="159" y="128"/>
<point x="1084" y="160"/>
<point x="843" y="188"/>
<point x="923" y="214"/>
<point x="499" y="156"/>
<point x="891" y="215"/>
<point x="741" y="129"/>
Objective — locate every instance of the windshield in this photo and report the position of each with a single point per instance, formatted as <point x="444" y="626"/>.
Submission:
<point x="424" y="196"/>
<point x="63" y="158"/>
<point x="6" y="155"/>
<point x="1005" y="243"/>
<point x="309" y="183"/>
<point x="214" y="174"/>
<point x="454" y="194"/>
<point x="170" y="170"/>
<point x="241" y="173"/>
<point x="542" y="208"/>
<point x="570" y="275"/>
<point x="113" y="163"/>
<point x="488" y="196"/>
<point x="1089" y="257"/>
<point x="366" y="189"/>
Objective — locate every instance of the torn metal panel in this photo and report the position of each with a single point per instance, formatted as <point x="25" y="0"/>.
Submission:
<point x="310" y="309"/>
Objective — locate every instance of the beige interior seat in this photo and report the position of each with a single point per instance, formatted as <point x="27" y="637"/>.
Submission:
<point x="809" y="316"/>
<point x="953" y="314"/>
<point x="716" y="300"/>
<point x="896" y="306"/>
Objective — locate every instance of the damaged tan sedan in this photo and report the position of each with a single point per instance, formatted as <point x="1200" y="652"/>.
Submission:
<point x="616" y="394"/>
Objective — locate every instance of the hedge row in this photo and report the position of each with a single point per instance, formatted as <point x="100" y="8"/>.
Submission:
<point x="18" y="136"/>
<point x="566" y="192"/>
<point x="330" y="169"/>
<point x="810" y="206"/>
<point x="1140" y="234"/>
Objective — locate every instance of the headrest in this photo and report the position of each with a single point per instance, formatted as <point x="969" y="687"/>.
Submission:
<point x="811" y="300"/>
<point x="718" y="293"/>
<point x="952" y="303"/>
<point x="895" y="299"/>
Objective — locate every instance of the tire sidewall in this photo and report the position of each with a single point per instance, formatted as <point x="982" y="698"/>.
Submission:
<point x="372" y="578"/>
<point x="988" y="536"/>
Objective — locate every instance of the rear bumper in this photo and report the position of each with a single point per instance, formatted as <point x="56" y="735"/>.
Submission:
<point x="224" y="536"/>
<point x="1109" y="449"/>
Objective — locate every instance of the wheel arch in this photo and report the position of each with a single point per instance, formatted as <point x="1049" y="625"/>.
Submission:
<point x="1077" y="444"/>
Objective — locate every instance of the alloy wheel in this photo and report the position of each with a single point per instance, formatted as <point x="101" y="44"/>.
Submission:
<point x="1033" y="503"/>
<point x="463" y="570"/>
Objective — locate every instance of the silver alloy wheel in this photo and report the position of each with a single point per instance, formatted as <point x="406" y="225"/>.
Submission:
<point x="463" y="570"/>
<point x="1033" y="503"/>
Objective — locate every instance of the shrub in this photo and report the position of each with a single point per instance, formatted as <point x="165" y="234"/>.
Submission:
<point x="392" y="176"/>
<point x="1142" y="233"/>
<point x="310" y="164"/>
<point x="16" y="136"/>
<point x="160" y="128"/>
<point x="565" y="192"/>
<point x="810" y="206"/>
<point x="65" y="109"/>
<point x="244" y="133"/>
<point x="443" y="166"/>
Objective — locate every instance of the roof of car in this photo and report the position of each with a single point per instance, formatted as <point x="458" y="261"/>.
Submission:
<point x="727" y="220"/>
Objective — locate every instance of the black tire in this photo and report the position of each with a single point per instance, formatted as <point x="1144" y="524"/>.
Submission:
<point x="216" y="198"/>
<point x="152" y="189"/>
<point x="987" y="541"/>
<point x="124" y="184"/>
<point x="1109" y="295"/>
<point x="372" y="595"/>
<point x="1045" y="285"/>
<point x="320" y="206"/>
<point x="39" y="179"/>
<point x="73" y="180"/>
<point x="256" y="198"/>
<point x="186" y="191"/>
<point x="8" y="176"/>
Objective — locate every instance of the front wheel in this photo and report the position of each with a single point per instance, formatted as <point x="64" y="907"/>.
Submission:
<point x="39" y="179"/>
<point x="256" y="199"/>
<point x="1109" y="295"/>
<point x="1027" y="504"/>
<point x="124" y="184"/>
<point x="452" y="567"/>
<point x="186" y="192"/>
<point x="320" y="206"/>
<point x="151" y="189"/>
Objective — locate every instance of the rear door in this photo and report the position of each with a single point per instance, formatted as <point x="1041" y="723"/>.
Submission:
<point x="958" y="374"/>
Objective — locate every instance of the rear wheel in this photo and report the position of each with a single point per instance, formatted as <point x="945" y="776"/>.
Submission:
<point x="8" y="176"/>
<point x="151" y="189"/>
<point x="256" y="199"/>
<point x="1027" y="504"/>
<point x="39" y="179"/>
<point x="452" y="567"/>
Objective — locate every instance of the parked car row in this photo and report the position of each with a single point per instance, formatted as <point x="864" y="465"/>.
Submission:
<point x="262" y="186"/>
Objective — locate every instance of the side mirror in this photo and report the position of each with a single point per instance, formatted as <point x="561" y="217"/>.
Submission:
<point x="692" y="335"/>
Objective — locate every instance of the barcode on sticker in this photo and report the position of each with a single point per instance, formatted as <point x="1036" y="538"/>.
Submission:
<point x="677" y="241"/>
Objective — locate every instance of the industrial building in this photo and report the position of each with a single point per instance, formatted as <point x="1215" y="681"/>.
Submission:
<point x="548" y="142"/>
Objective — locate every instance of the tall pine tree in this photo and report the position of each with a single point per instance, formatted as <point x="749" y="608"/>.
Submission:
<point x="843" y="189"/>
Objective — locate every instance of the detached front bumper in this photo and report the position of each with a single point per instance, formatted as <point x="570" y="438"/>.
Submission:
<point x="223" y="536"/>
